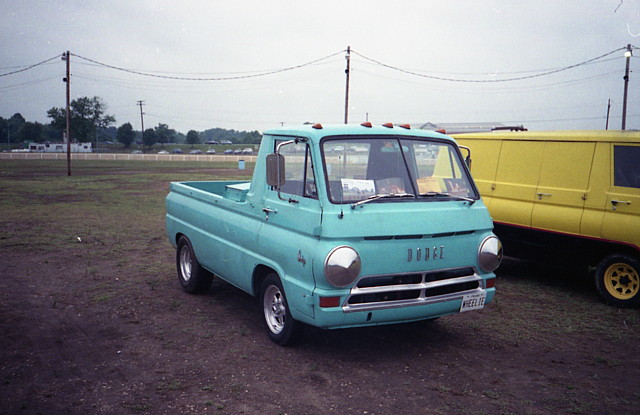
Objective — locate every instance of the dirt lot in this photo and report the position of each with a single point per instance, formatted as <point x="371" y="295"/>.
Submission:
<point x="93" y="321"/>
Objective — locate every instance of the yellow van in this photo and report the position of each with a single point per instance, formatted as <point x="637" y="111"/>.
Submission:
<point x="572" y="193"/>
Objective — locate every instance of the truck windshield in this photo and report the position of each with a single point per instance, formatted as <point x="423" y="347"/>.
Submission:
<point x="382" y="169"/>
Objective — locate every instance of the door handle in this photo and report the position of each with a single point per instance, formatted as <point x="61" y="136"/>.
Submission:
<point x="267" y="210"/>
<point x="542" y="194"/>
<point x="623" y="202"/>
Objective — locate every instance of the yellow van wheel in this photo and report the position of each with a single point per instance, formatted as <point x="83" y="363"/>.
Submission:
<point x="618" y="280"/>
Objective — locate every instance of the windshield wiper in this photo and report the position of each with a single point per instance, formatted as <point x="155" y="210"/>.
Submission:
<point x="380" y="196"/>
<point x="439" y="194"/>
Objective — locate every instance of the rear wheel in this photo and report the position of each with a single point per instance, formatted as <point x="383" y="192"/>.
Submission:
<point x="617" y="280"/>
<point x="281" y="327"/>
<point x="193" y="278"/>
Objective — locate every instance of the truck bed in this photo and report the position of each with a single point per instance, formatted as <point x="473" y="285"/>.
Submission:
<point x="232" y="190"/>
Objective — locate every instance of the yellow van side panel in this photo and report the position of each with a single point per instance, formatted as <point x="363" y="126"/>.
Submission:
<point x="599" y="180"/>
<point x="516" y="182"/>
<point x="484" y="156"/>
<point x="562" y="186"/>
<point x="623" y="223"/>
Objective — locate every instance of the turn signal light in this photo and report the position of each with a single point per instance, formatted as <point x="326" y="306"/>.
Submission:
<point x="329" y="301"/>
<point x="490" y="283"/>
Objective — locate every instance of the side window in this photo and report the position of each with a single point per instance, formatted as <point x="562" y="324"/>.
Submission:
<point x="626" y="166"/>
<point x="299" y="175"/>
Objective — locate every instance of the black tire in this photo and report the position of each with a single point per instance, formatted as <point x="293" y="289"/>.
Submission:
<point x="617" y="280"/>
<point x="193" y="278"/>
<point x="281" y="328"/>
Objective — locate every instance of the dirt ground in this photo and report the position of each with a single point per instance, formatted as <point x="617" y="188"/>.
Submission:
<point x="117" y="335"/>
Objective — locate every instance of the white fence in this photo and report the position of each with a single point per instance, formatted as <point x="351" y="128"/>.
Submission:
<point x="124" y="156"/>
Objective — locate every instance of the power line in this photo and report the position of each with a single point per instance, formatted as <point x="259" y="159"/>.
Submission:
<point x="518" y="78"/>
<point x="30" y="66"/>
<point x="192" y="74"/>
<point x="29" y="83"/>
<point x="529" y="71"/>
<point x="227" y="78"/>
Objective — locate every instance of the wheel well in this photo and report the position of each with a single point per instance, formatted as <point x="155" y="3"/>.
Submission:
<point x="602" y="250"/>
<point x="178" y="236"/>
<point x="526" y="242"/>
<point x="260" y="272"/>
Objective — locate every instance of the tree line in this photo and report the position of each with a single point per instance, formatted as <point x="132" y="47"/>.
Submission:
<point x="89" y="122"/>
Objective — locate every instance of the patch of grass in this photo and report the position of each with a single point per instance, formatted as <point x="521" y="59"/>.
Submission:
<point x="102" y="298"/>
<point x="492" y="394"/>
<point x="173" y="385"/>
<point x="136" y="407"/>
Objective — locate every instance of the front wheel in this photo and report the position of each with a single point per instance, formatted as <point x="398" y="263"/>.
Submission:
<point x="281" y="327"/>
<point x="193" y="278"/>
<point x="617" y="280"/>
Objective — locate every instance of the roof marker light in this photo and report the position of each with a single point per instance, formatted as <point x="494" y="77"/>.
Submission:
<point x="317" y="126"/>
<point x="441" y="131"/>
<point x="405" y="126"/>
<point x="388" y="125"/>
<point x="366" y="124"/>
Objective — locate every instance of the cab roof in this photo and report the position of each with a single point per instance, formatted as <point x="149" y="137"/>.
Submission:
<point x="317" y="131"/>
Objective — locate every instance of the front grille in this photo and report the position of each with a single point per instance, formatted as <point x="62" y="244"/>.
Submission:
<point x="402" y="290"/>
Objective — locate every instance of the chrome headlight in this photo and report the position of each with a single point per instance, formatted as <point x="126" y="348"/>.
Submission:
<point x="342" y="266"/>
<point x="490" y="253"/>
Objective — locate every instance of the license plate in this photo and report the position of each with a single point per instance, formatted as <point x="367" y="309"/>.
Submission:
<point x="473" y="301"/>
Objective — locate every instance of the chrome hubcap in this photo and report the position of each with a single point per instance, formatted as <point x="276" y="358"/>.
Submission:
<point x="185" y="263"/>
<point x="274" y="309"/>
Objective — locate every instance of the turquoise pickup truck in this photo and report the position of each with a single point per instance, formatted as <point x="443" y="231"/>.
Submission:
<point x="341" y="226"/>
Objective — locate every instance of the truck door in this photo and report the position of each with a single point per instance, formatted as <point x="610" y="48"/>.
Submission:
<point x="291" y="227"/>
<point x="622" y="209"/>
<point x="563" y="186"/>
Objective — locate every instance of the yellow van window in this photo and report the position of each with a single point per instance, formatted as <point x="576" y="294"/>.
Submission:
<point x="626" y="161"/>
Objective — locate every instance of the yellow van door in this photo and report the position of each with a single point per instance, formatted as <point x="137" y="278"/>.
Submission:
<point x="622" y="211"/>
<point x="563" y="186"/>
<point x="599" y="183"/>
<point x="484" y="156"/>
<point x="514" y="190"/>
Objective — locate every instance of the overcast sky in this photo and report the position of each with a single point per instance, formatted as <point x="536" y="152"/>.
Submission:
<point x="488" y="40"/>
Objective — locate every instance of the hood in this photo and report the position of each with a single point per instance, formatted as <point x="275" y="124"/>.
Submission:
<point x="384" y="219"/>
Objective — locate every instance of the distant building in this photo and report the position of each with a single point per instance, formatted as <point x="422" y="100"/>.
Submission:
<point x="458" y="128"/>
<point x="59" y="147"/>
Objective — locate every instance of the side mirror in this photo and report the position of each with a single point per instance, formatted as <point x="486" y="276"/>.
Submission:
<point x="275" y="170"/>
<point x="467" y="159"/>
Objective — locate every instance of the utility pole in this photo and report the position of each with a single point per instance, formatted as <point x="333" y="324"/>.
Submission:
<point x="346" y="94"/>
<point x="142" y="122"/>
<point x="67" y="57"/>
<point x="627" y="55"/>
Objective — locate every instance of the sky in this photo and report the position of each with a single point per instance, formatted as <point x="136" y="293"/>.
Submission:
<point x="254" y="65"/>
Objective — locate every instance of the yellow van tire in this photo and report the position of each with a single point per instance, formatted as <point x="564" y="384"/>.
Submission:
<point x="617" y="280"/>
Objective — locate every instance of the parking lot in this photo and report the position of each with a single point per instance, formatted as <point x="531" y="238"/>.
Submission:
<point x="93" y="320"/>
